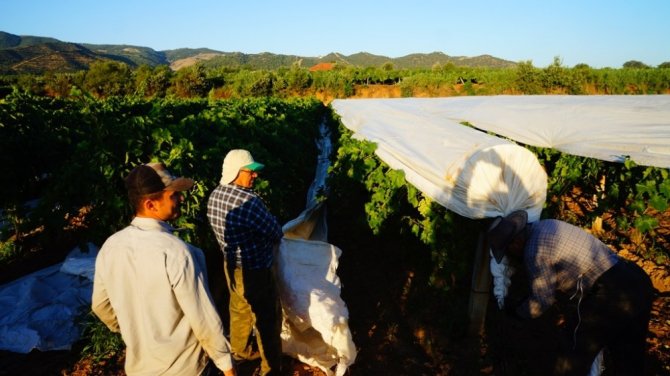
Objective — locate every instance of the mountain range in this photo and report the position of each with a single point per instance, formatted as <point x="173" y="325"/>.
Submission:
<point x="33" y="54"/>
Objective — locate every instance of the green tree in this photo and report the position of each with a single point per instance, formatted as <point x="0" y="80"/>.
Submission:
<point x="191" y="82"/>
<point x="554" y="75"/>
<point x="58" y="84"/>
<point x="665" y="65"/>
<point x="30" y="83"/>
<point x="298" y="79"/>
<point x="635" y="64"/>
<point x="107" y="78"/>
<point x="528" y="78"/>
<point x="388" y="66"/>
<point x="263" y="85"/>
<point x="152" y="82"/>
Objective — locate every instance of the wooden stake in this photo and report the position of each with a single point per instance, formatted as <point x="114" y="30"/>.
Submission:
<point x="481" y="288"/>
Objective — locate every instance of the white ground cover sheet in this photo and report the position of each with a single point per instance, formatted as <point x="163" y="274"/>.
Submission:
<point x="43" y="310"/>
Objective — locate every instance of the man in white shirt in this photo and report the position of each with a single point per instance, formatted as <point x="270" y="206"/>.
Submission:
<point x="152" y="287"/>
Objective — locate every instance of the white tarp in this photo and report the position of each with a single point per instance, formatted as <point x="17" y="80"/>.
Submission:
<point x="40" y="310"/>
<point x="465" y="170"/>
<point x="315" y="327"/>
<point x="606" y="127"/>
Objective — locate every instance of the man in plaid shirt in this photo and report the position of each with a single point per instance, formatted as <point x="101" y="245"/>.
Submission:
<point x="248" y="235"/>
<point x="613" y="295"/>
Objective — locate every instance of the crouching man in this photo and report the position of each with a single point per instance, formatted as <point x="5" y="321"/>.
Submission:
<point x="613" y="295"/>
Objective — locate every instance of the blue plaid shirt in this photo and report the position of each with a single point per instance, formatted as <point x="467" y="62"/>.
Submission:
<point x="561" y="257"/>
<point x="246" y="231"/>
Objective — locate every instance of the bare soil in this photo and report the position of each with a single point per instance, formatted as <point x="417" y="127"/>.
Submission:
<point x="402" y="327"/>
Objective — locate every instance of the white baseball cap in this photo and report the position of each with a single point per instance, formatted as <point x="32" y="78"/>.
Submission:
<point x="234" y="161"/>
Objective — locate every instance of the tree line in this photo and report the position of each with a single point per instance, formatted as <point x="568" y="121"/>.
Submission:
<point x="108" y="78"/>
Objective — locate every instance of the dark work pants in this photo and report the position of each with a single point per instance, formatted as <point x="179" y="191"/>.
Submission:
<point x="614" y="315"/>
<point x="254" y="302"/>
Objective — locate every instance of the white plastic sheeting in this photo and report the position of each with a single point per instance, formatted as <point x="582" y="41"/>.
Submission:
<point x="316" y="320"/>
<point x="606" y="127"/>
<point x="315" y="328"/>
<point x="465" y="170"/>
<point x="40" y="310"/>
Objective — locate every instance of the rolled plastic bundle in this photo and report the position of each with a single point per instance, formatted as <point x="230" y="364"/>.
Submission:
<point x="497" y="180"/>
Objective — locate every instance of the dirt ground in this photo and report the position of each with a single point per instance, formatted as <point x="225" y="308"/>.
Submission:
<point x="399" y="327"/>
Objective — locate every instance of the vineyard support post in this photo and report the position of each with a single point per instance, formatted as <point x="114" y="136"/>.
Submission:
<point x="481" y="282"/>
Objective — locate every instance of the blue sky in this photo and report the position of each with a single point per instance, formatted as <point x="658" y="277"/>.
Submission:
<point x="597" y="33"/>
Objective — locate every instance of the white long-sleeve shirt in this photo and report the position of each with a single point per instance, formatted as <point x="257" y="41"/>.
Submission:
<point x="152" y="287"/>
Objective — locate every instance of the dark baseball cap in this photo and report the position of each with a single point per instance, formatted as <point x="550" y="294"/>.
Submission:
<point x="503" y="230"/>
<point x="154" y="177"/>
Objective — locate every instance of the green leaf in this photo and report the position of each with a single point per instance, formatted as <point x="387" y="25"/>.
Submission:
<point x="623" y="223"/>
<point x="659" y="203"/>
<point x="645" y="223"/>
<point x="638" y="206"/>
<point x="648" y="187"/>
<point x="664" y="188"/>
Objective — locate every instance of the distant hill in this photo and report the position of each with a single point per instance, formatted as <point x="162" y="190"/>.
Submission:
<point x="40" y="58"/>
<point x="31" y="54"/>
<point x="10" y="40"/>
<point x="428" y="60"/>
<point x="267" y="60"/>
<point x="184" y="53"/>
<point x="131" y="55"/>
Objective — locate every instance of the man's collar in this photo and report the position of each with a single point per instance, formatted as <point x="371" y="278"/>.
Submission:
<point x="146" y="223"/>
<point x="248" y="189"/>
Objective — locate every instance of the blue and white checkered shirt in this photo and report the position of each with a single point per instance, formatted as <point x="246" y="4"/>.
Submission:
<point x="246" y="231"/>
<point x="561" y="257"/>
